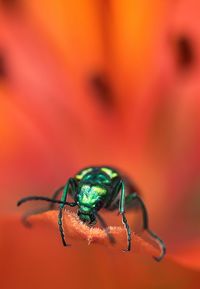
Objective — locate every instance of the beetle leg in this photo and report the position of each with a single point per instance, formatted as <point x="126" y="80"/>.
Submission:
<point x="135" y="196"/>
<point x="106" y="229"/>
<point x="122" y="212"/>
<point x="69" y="184"/>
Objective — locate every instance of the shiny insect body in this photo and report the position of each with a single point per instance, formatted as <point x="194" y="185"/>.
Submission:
<point x="94" y="188"/>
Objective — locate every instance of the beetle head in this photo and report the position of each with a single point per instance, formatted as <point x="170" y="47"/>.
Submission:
<point x="88" y="218"/>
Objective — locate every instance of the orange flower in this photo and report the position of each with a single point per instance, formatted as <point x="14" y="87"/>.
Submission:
<point x="93" y="82"/>
<point x="35" y="259"/>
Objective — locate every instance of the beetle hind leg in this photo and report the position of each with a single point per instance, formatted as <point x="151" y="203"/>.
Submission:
<point x="133" y="197"/>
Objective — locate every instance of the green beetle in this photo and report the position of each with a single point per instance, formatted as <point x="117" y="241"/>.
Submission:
<point x="94" y="188"/>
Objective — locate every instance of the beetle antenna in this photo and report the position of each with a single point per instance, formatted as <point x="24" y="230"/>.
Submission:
<point x="41" y="198"/>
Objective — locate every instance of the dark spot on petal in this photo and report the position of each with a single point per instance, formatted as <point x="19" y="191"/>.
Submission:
<point x="11" y="5"/>
<point x="3" y="73"/>
<point x="102" y="90"/>
<point x="185" y="52"/>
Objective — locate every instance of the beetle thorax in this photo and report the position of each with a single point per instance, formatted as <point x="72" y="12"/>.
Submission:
<point x="89" y="197"/>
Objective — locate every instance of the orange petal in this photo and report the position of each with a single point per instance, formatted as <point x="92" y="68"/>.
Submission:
<point x="75" y="229"/>
<point x="36" y="259"/>
<point x="188" y="255"/>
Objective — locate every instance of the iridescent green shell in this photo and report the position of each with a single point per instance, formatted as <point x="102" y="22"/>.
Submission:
<point x="111" y="173"/>
<point x="82" y="173"/>
<point x="93" y="186"/>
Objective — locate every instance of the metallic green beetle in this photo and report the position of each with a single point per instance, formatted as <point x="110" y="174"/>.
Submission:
<point x="94" y="188"/>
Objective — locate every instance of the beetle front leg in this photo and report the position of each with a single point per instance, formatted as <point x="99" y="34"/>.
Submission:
<point x="122" y="212"/>
<point x="63" y="199"/>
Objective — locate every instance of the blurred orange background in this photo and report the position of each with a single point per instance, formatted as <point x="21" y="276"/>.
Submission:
<point x="100" y="82"/>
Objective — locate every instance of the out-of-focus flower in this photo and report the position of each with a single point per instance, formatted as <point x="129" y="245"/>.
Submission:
<point x="96" y="82"/>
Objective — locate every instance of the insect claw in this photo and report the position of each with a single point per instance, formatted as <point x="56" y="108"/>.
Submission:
<point x="156" y="259"/>
<point x="159" y="258"/>
<point x="125" y="250"/>
<point x="26" y="223"/>
<point x="66" y="244"/>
